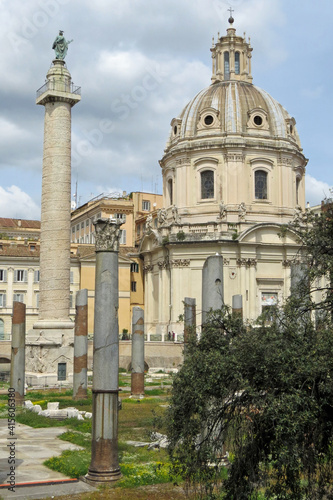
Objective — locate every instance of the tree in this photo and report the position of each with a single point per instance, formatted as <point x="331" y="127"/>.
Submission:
<point x="265" y="393"/>
<point x="315" y="236"/>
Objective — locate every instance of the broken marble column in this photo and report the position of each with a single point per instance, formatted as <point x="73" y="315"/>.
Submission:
<point x="237" y="305"/>
<point x="189" y="320"/>
<point x="212" y="285"/>
<point x="104" y="466"/>
<point x="138" y="353"/>
<point x="80" y="374"/>
<point x="17" y="368"/>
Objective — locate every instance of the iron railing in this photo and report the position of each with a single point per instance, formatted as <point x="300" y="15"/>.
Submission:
<point x="59" y="86"/>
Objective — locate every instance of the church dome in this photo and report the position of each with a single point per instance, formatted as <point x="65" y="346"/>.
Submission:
<point x="233" y="107"/>
<point x="232" y="104"/>
<point x="233" y="146"/>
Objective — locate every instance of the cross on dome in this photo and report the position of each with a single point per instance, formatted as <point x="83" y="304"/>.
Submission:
<point x="231" y="19"/>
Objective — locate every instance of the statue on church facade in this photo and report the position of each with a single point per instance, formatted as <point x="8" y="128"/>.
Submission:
<point x="60" y="46"/>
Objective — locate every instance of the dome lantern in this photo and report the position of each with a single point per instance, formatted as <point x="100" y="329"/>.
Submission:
<point x="231" y="57"/>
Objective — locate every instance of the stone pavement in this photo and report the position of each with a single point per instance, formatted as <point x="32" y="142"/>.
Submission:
<point x="32" y="448"/>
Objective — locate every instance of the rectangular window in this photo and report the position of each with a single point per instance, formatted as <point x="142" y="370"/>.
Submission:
<point x="122" y="237"/>
<point x="134" y="267"/>
<point x="37" y="300"/>
<point x="87" y="222"/>
<point x="77" y="227"/>
<point x="3" y="275"/>
<point x="61" y="371"/>
<point x="20" y="275"/>
<point x="138" y="230"/>
<point x="226" y="66"/>
<point x="260" y="185"/>
<point x="268" y="301"/>
<point x="82" y="225"/>
<point x="146" y="205"/>
<point x="71" y="279"/>
<point x="36" y="276"/>
<point x="133" y="286"/>
<point x="73" y="229"/>
<point x="237" y="63"/>
<point x="120" y="216"/>
<point x="18" y="297"/>
<point x="71" y="301"/>
<point x="207" y="184"/>
<point x="2" y="300"/>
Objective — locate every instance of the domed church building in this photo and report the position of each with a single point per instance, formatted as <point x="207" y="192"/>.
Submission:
<point x="233" y="172"/>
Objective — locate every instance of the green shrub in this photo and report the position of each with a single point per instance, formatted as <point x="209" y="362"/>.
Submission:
<point x="181" y="236"/>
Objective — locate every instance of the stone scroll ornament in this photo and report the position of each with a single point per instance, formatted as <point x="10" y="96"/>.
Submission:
<point x="60" y="46"/>
<point x="107" y="234"/>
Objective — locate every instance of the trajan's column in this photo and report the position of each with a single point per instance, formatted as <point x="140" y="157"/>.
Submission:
<point x="58" y="96"/>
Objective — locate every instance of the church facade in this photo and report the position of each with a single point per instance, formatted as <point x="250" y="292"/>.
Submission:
<point x="233" y="173"/>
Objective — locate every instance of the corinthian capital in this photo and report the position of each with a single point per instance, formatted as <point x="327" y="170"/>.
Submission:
<point x="107" y="234"/>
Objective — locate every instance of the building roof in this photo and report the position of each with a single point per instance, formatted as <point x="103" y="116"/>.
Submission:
<point x="13" y="250"/>
<point x="230" y="105"/>
<point x="19" y="223"/>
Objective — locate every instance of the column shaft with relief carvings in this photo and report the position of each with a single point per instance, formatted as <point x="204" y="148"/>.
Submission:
<point x="58" y="97"/>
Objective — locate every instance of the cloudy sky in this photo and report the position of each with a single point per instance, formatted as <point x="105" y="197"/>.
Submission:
<point x="139" y="62"/>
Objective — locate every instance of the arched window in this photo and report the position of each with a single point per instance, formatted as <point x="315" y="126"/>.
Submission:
<point x="237" y="63"/>
<point x="226" y="66"/>
<point x="2" y="329"/>
<point x="207" y="184"/>
<point x="170" y="191"/>
<point x="260" y="185"/>
<point x="298" y="181"/>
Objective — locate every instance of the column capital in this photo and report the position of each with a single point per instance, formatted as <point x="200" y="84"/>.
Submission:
<point x="107" y="234"/>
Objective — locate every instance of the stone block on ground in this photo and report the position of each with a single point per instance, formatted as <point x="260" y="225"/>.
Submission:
<point x="36" y="408"/>
<point x="44" y="413"/>
<point x="53" y="406"/>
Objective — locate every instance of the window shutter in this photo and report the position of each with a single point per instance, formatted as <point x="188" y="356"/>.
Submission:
<point x="25" y="276"/>
<point x="15" y="275"/>
<point x="5" y="274"/>
<point x="4" y="300"/>
<point x="37" y="300"/>
<point x="124" y="236"/>
<point x="71" y="277"/>
<point x="36" y="276"/>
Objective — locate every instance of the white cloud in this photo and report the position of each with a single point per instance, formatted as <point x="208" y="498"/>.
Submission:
<point x="315" y="190"/>
<point x="11" y="131"/>
<point x="122" y="64"/>
<point x="15" y="203"/>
